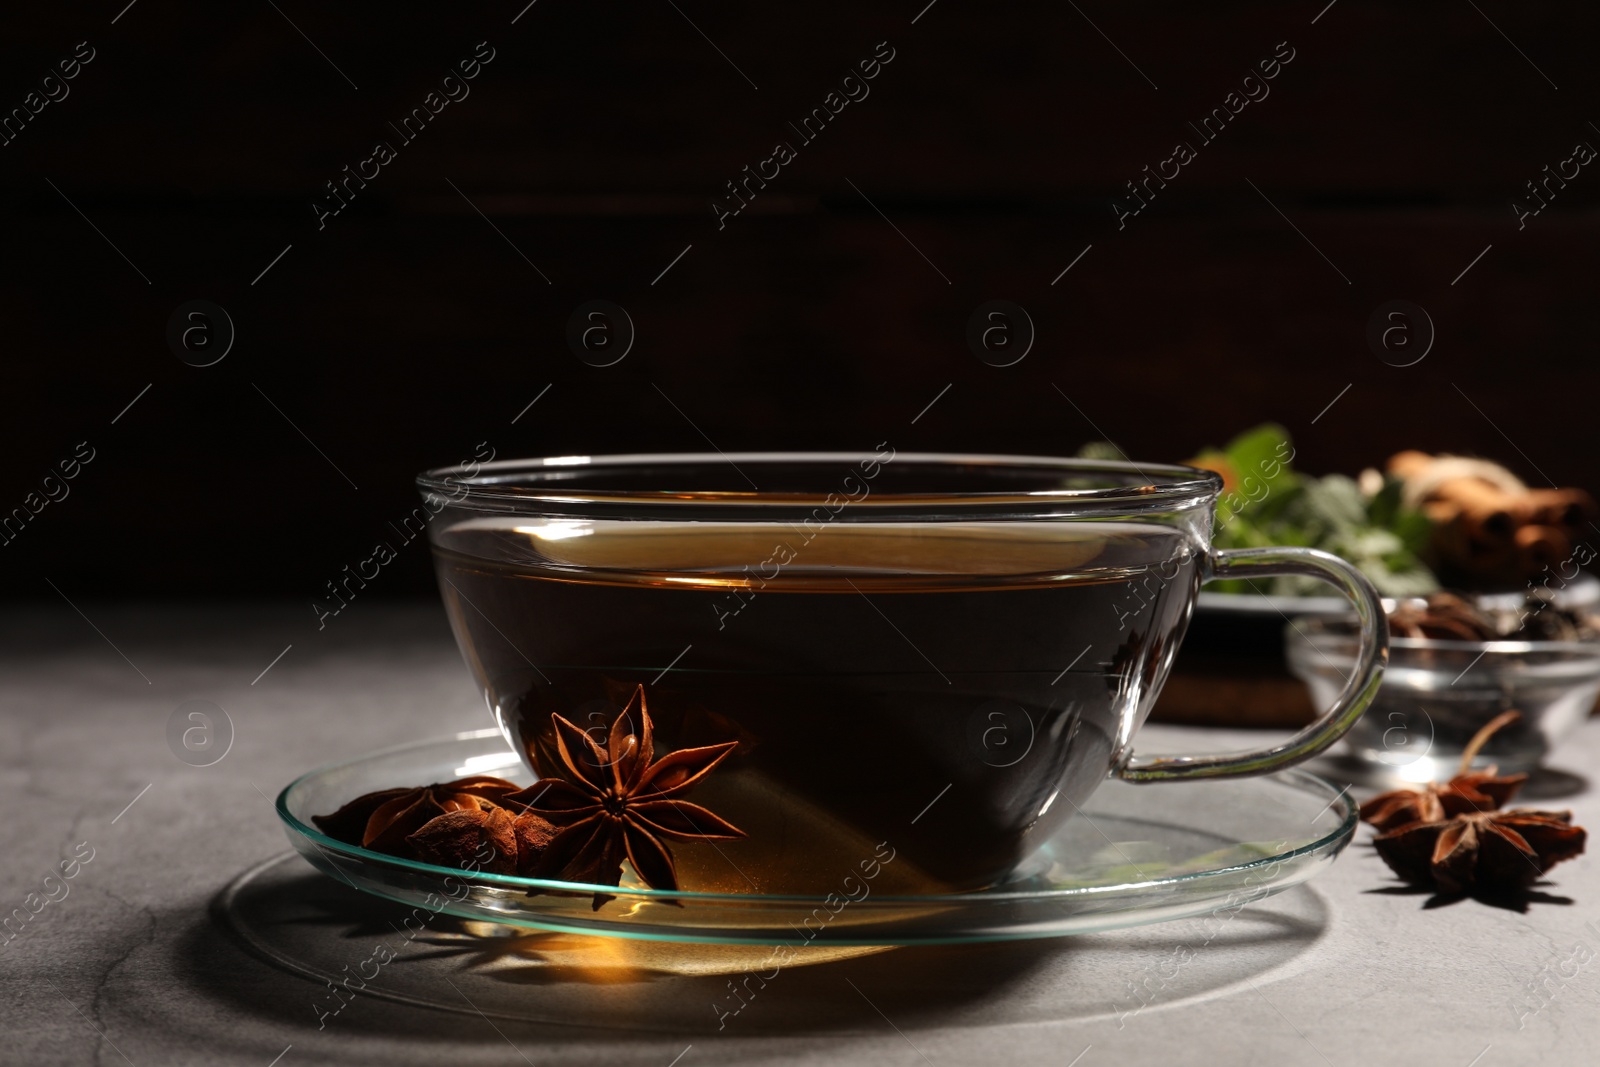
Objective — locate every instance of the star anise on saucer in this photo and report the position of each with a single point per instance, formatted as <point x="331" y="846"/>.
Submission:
<point x="613" y="803"/>
<point x="457" y="839"/>
<point x="386" y="820"/>
<point x="1453" y="838"/>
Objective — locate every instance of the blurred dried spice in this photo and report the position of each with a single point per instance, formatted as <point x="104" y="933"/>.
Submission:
<point x="1450" y="617"/>
<point x="1541" y="619"/>
<point x="1442" y="616"/>
<point x="1489" y="529"/>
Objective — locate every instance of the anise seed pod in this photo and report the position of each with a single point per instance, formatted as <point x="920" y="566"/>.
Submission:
<point x="1466" y="792"/>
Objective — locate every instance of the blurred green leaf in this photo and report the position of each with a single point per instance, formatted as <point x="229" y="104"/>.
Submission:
<point x="1102" y="450"/>
<point x="1262" y="453"/>
<point x="1267" y="503"/>
<point x="1333" y="505"/>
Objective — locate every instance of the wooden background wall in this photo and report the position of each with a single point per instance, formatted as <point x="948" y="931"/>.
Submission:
<point x="1386" y="158"/>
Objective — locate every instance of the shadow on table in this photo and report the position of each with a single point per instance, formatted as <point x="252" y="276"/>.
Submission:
<point x="1547" y="783"/>
<point x="1517" y="900"/>
<point x="363" y="969"/>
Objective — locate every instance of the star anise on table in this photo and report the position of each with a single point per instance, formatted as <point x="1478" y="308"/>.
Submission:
<point x="1434" y="801"/>
<point x="1453" y="838"/>
<point x="620" y="802"/>
<point x="431" y="822"/>
<point x="1482" y="850"/>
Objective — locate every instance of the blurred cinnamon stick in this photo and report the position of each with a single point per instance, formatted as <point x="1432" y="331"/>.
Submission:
<point x="1489" y="528"/>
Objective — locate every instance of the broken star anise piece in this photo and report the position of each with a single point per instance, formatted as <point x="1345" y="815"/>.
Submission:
<point x="1482" y="851"/>
<point x="382" y="821"/>
<point x="457" y="839"/>
<point x="614" y="803"/>
<point x="1466" y="792"/>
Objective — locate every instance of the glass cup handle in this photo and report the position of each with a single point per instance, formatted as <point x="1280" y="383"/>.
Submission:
<point x="1359" y="688"/>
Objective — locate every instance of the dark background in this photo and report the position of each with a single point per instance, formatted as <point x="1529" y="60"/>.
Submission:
<point x="408" y="330"/>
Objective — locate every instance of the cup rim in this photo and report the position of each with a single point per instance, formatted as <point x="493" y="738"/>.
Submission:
<point x="557" y="480"/>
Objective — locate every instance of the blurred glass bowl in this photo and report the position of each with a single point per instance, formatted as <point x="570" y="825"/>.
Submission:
<point x="1436" y="694"/>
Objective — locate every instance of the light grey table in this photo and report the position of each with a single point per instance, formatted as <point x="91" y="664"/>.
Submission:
<point x="135" y="963"/>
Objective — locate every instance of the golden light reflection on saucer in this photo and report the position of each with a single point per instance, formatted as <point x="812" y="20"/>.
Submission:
<point x="514" y="954"/>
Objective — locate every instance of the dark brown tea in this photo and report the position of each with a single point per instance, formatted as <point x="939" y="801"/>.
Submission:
<point x="953" y="689"/>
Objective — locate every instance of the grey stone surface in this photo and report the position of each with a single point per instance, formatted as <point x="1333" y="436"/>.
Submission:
<point x="132" y="966"/>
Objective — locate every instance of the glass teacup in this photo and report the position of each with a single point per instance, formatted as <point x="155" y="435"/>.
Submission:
<point x="937" y="655"/>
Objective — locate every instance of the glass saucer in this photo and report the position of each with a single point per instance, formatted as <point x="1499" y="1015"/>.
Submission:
<point x="1134" y="855"/>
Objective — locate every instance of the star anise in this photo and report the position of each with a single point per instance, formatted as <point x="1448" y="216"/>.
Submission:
<point x="384" y="821"/>
<point x="1466" y="792"/>
<point x="1482" y="850"/>
<point x="614" y="803"/>
<point x="1451" y="836"/>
